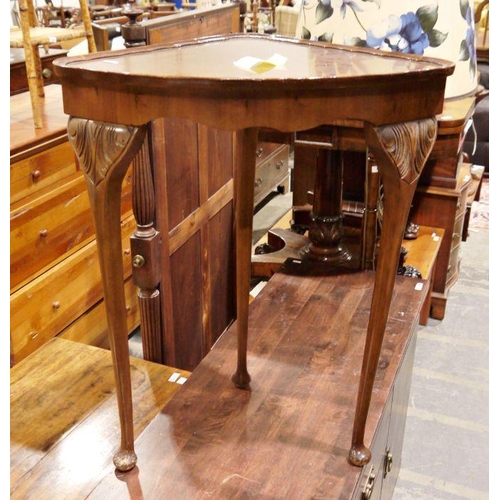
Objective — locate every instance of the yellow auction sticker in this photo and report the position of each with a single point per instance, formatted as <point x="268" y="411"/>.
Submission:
<point x="262" y="67"/>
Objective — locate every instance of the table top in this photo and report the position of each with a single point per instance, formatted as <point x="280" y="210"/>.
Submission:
<point x="255" y="58"/>
<point x="254" y="67"/>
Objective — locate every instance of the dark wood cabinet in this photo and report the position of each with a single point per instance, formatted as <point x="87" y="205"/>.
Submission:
<point x="441" y="198"/>
<point x="289" y="436"/>
<point x="444" y="208"/>
<point x="18" y="78"/>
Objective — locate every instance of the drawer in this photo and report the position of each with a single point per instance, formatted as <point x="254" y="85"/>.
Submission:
<point x="270" y="173"/>
<point x="45" y="229"/>
<point x="18" y="75"/>
<point x="36" y="172"/>
<point x="462" y="204"/>
<point x="457" y="229"/>
<point x="49" y="304"/>
<point x="265" y="149"/>
<point x="453" y="266"/>
<point x="92" y="326"/>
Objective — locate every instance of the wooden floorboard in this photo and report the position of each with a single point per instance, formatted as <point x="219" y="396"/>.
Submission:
<point x="64" y="417"/>
<point x="289" y="436"/>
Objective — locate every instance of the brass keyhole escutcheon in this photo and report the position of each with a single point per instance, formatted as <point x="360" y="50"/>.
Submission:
<point x="369" y="485"/>
<point x="138" y="261"/>
<point x="388" y="462"/>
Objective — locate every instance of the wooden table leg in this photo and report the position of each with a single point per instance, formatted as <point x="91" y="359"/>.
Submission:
<point x="105" y="151"/>
<point x="400" y="151"/>
<point x="244" y="175"/>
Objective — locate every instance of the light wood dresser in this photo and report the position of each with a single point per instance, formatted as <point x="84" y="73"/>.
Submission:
<point x="55" y="283"/>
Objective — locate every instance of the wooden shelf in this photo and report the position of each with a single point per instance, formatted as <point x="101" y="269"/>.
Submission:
<point x="422" y="255"/>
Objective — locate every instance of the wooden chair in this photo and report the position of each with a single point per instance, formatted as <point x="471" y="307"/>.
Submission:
<point x="31" y="35"/>
<point x="482" y="20"/>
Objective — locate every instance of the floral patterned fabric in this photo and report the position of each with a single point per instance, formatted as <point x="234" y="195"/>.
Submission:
<point x="443" y="29"/>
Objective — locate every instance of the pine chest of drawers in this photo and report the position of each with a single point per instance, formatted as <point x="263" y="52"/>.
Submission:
<point x="55" y="282"/>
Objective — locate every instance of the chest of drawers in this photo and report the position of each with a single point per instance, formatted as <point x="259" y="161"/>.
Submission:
<point x="55" y="283"/>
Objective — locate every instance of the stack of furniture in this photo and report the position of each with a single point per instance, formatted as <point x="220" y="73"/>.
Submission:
<point x="53" y="235"/>
<point x="31" y="35"/>
<point x="185" y="261"/>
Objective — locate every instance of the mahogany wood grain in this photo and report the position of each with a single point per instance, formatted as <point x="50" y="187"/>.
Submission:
<point x="288" y="437"/>
<point x="396" y="96"/>
<point x="189" y="24"/>
<point x="62" y="417"/>
<point x="194" y="197"/>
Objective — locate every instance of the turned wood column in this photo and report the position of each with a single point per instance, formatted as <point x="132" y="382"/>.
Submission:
<point x="104" y="152"/>
<point x="326" y="231"/>
<point x="146" y="245"/>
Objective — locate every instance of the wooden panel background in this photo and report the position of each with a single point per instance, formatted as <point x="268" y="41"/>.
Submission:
<point x="193" y="188"/>
<point x="221" y="19"/>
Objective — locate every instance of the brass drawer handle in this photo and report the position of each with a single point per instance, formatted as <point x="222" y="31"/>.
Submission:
<point x="259" y="152"/>
<point x="258" y="182"/>
<point x="46" y="73"/>
<point x="369" y="485"/>
<point x="279" y="164"/>
<point x="388" y="462"/>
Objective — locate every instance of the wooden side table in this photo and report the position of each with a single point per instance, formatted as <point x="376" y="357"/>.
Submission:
<point x="245" y="83"/>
